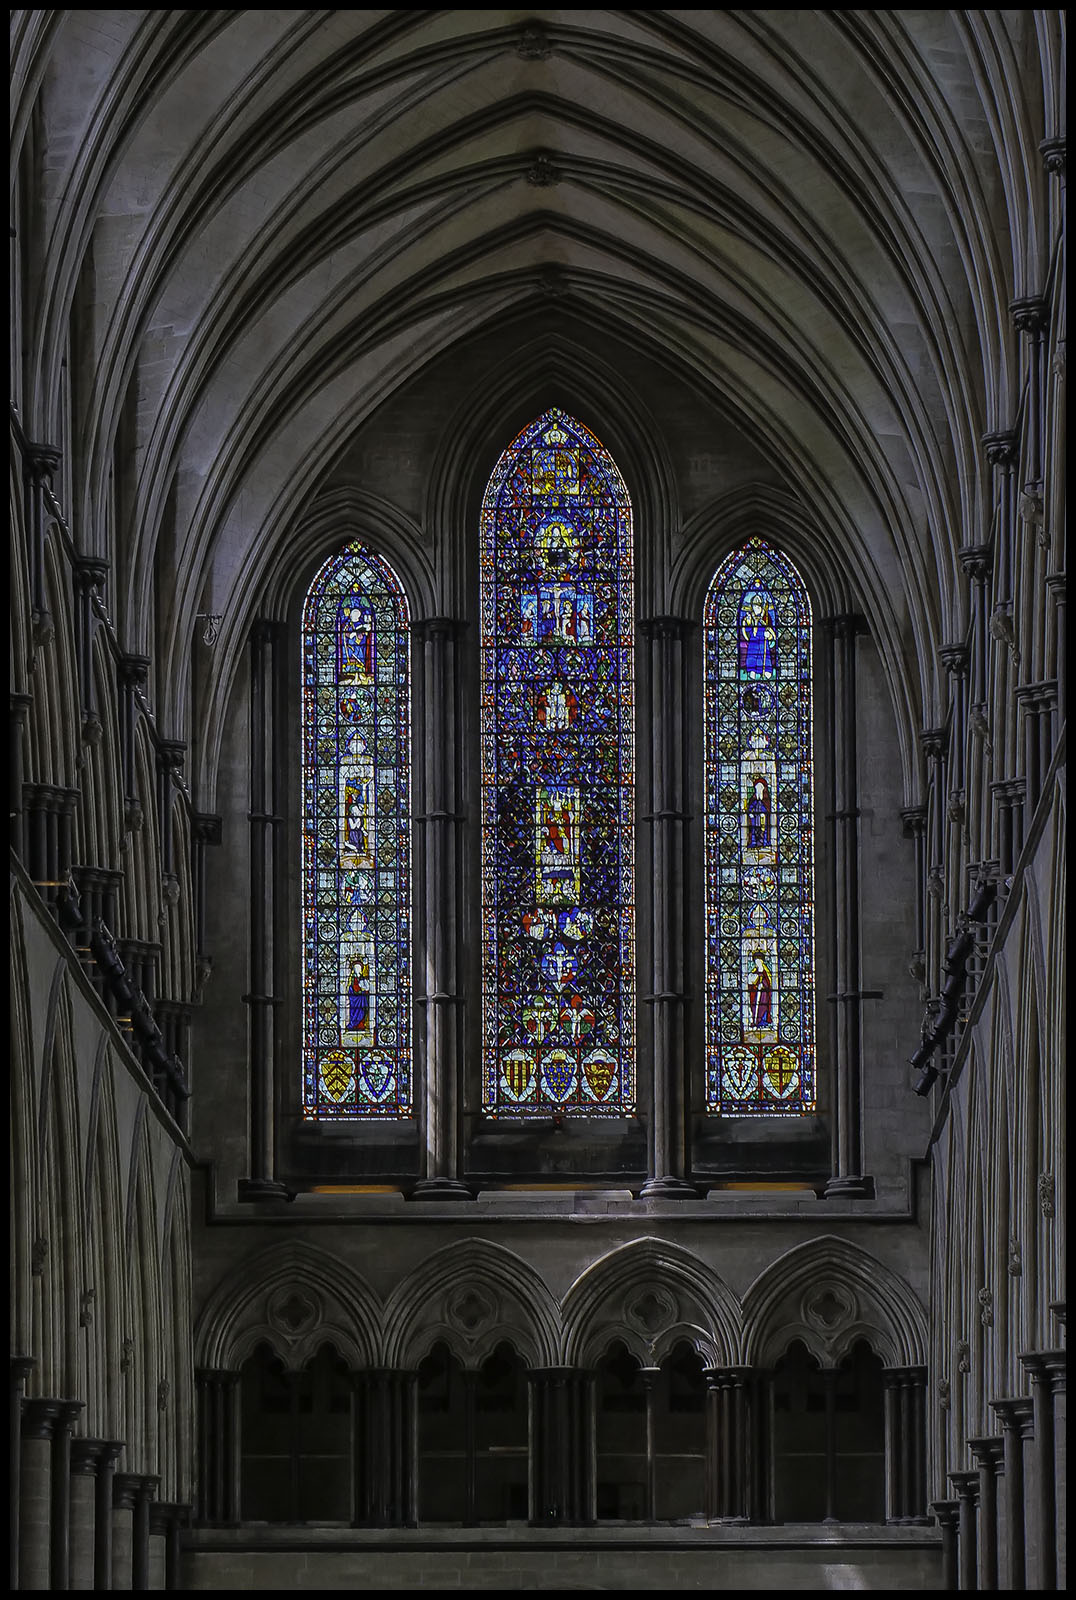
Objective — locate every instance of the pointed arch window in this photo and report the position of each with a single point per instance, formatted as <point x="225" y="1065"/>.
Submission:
<point x="557" y="671"/>
<point x="760" y="972"/>
<point x="356" y="867"/>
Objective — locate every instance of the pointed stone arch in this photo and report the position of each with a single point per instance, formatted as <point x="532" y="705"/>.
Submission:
<point x="651" y="1294"/>
<point x="473" y="1295"/>
<point x="294" y="1297"/>
<point x="830" y="1293"/>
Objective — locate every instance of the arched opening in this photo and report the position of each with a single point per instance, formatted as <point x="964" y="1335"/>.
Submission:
<point x="828" y="1438"/>
<point x="472" y="1438"/>
<point x="295" y="1441"/>
<point x="620" y="1444"/>
<point x="680" y="1436"/>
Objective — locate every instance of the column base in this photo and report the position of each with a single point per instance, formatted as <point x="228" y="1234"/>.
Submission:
<point x="262" y="1189"/>
<point x="668" y="1189"/>
<point x="849" y="1188"/>
<point x="441" y="1189"/>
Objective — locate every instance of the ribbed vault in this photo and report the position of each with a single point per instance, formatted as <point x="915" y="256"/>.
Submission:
<point x="262" y="227"/>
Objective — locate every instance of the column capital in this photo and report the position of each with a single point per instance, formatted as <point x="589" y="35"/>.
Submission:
<point x="977" y="561"/>
<point x="1009" y="791"/>
<point x="1046" y="1367"/>
<point x="559" y="1374"/>
<point x="1030" y="313"/>
<point x="1037" y="697"/>
<point x="1001" y="447"/>
<point x="171" y="754"/>
<point x="954" y="658"/>
<point x="893" y="1376"/>
<point x="216" y="1377"/>
<point x="42" y="461"/>
<point x="428" y="628"/>
<point x="988" y="1453"/>
<point x="1016" y="1415"/>
<point x="966" y="1484"/>
<point x="662" y="627"/>
<point x="914" y="821"/>
<point x="21" y="1368"/>
<point x="133" y="670"/>
<point x="126" y="1490"/>
<point x="934" y="742"/>
<point x="167" y="1514"/>
<point x="90" y="572"/>
<point x="40" y="1418"/>
<point x="206" y="827"/>
<point x="1052" y="152"/>
<point x="946" y="1513"/>
<point x="91" y="1456"/>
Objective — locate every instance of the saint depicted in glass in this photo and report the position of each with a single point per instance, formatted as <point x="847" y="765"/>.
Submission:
<point x="356" y="842"/>
<point x="760" y="1056"/>
<point x="558" y="916"/>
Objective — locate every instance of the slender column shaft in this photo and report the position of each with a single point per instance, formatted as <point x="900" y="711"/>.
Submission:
<point x="650" y="1376"/>
<point x="668" y="1146"/>
<point x="218" y="1446"/>
<point x="966" y="1485"/>
<point x="21" y="1368"/>
<point x="848" y="997"/>
<point x="1041" y="1367"/>
<point x="146" y="1489"/>
<point x="947" y="1514"/>
<point x="262" y="998"/>
<point x="382" y="1441"/>
<point x="1015" y="1416"/>
<point x="438" y="639"/>
<point x="39" y="1419"/>
<point x="989" y="1456"/>
<point x="561" y="1449"/>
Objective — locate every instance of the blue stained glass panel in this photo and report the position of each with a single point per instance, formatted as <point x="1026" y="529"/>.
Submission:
<point x="760" y="976"/>
<point x="558" y="788"/>
<point x="356" y="867"/>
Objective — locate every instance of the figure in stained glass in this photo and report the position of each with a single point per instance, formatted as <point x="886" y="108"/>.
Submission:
<point x="759" y="838"/>
<point x="356" y="965"/>
<point x="758" y="636"/>
<point x="557" y="777"/>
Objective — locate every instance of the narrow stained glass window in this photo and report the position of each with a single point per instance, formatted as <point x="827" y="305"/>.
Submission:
<point x="356" y="842"/>
<point x="760" y="1057"/>
<point x="558" y="916"/>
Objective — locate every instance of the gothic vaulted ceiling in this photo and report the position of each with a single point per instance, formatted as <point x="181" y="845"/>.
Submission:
<point x="257" y="227"/>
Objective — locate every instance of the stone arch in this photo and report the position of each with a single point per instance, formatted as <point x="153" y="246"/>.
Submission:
<point x="473" y="1295"/>
<point x="651" y="1294"/>
<point x="144" y="1323"/>
<point x="830" y="1293"/>
<point x="294" y="1297"/>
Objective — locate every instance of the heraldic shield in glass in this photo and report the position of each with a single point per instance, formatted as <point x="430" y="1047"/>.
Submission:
<point x="760" y="981"/>
<point x="356" y="842"/>
<point x="558" y="922"/>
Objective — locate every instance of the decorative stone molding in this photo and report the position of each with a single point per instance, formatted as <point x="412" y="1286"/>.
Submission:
<point x="1001" y="628"/>
<point x="471" y="1311"/>
<point x="1046" y="1193"/>
<point x="164" y="1389"/>
<point x="963" y="1356"/>
<point x="85" y="1308"/>
<point x="1015" y="1265"/>
<point x="543" y="173"/>
<point x="985" y="1298"/>
<point x="945" y="1394"/>
<point x="1053" y="156"/>
<point x="1030" y="313"/>
<point x="127" y="1347"/>
<point x="977" y="560"/>
<point x="980" y="727"/>
<point x="534" y="43"/>
<point x="294" y="1312"/>
<point x="39" y="1255"/>
<point x="1001" y="447"/>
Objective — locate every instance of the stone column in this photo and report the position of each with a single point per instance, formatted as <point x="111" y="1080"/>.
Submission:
<point x="561" y="1446"/>
<point x="218" y="1446"/>
<point x="1015" y="1416"/>
<point x="166" y="1520"/>
<point x="735" y="1468"/>
<point x="133" y="672"/>
<point x="1044" y="1367"/>
<point x="261" y="1181"/>
<point x="847" y="1179"/>
<point x="41" y="462"/>
<point x="89" y="574"/>
<point x="966" y="1485"/>
<point x="1031" y="316"/>
<point x="126" y="1488"/>
<point x="438" y="640"/>
<point x="989" y="1457"/>
<point x="668" y="1142"/>
<point x="1008" y="796"/>
<point x="947" y="1516"/>
<point x="91" y="1461"/>
<point x="1001" y="449"/>
<point x="21" y="1368"/>
<point x="383" y="1439"/>
<point x="914" y="820"/>
<point x="145" y="1492"/>
<point x="20" y="707"/>
<point x="1055" y="583"/>
<point x="977" y="561"/>
<point x="905" y="1413"/>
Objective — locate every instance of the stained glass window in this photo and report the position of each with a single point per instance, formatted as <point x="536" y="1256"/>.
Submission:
<point x="760" y="1056"/>
<point x="356" y="842"/>
<point x="558" y="916"/>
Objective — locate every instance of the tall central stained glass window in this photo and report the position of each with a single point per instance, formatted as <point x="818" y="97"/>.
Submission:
<point x="760" y="1053"/>
<point x="356" y="868"/>
<point x="558" y="913"/>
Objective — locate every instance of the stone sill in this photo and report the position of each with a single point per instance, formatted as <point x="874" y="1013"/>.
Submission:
<point x="261" y="1536"/>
